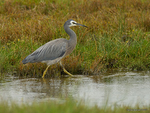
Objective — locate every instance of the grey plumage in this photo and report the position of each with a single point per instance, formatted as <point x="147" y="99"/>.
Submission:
<point x="53" y="51"/>
<point x="49" y="51"/>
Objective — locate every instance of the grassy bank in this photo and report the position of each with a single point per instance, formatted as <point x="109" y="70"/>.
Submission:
<point x="67" y="107"/>
<point x="117" y="37"/>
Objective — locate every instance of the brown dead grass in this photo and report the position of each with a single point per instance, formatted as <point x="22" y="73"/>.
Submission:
<point x="42" y="21"/>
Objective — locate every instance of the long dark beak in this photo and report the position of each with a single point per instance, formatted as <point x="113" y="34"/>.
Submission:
<point x="80" y="25"/>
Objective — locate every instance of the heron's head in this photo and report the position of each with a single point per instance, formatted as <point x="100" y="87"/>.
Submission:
<point x="71" y="23"/>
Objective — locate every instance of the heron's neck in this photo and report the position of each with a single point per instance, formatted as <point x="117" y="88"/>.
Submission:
<point x="72" y="35"/>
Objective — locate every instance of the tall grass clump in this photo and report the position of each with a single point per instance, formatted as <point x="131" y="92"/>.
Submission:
<point x="69" y="106"/>
<point x="117" y="37"/>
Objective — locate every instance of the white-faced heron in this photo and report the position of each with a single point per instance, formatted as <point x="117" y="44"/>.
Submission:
<point x="53" y="51"/>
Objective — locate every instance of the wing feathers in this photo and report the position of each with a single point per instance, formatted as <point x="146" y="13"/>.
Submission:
<point x="50" y="51"/>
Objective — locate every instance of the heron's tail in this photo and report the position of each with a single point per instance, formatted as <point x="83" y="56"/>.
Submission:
<point x="25" y="61"/>
<point x="30" y="58"/>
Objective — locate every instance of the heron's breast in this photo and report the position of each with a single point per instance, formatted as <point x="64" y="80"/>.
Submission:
<point x="70" y="49"/>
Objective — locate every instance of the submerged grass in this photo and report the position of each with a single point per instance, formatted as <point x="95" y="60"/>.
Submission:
<point x="118" y="34"/>
<point x="67" y="107"/>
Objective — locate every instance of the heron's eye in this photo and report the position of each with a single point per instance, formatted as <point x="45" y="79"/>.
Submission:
<point x="73" y="23"/>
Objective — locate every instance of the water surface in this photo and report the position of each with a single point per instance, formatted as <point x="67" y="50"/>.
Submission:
<point x="120" y="88"/>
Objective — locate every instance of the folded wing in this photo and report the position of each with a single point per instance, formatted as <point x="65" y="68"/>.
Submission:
<point x="49" y="51"/>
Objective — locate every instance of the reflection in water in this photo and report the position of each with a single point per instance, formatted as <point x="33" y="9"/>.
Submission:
<point x="122" y="88"/>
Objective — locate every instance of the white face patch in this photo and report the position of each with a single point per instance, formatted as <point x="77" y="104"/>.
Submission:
<point x="72" y="23"/>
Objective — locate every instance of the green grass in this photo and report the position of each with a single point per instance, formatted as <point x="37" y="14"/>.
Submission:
<point x="69" y="106"/>
<point x="117" y="36"/>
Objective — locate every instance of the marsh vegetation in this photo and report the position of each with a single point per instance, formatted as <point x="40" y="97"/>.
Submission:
<point x="118" y="34"/>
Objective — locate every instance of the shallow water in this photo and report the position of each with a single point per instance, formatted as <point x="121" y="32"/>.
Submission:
<point x="120" y="88"/>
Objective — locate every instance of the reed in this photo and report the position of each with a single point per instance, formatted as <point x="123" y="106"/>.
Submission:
<point x="70" y="106"/>
<point x="117" y="37"/>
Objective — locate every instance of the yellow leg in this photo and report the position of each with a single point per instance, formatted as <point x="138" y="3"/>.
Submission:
<point x="66" y="71"/>
<point x="45" y="71"/>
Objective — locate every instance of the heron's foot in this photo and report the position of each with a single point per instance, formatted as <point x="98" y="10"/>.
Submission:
<point x="45" y="72"/>
<point x="67" y="72"/>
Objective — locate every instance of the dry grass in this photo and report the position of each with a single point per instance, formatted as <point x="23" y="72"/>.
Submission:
<point x="26" y="25"/>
